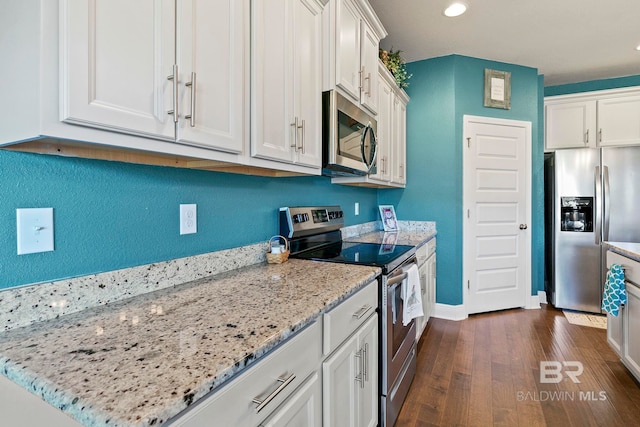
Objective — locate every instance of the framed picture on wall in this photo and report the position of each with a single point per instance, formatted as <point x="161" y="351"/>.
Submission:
<point x="497" y="89"/>
<point x="388" y="217"/>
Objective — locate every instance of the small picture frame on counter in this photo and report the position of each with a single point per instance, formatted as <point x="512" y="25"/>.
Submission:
<point x="388" y="217"/>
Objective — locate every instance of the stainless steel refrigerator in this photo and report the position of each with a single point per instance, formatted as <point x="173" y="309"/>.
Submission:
<point x="596" y="199"/>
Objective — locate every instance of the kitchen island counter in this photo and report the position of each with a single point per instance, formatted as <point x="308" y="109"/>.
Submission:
<point x="143" y="360"/>
<point x="627" y="249"/>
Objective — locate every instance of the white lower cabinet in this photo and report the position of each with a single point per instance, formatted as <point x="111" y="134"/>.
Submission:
<point x="623" y="331"/>
<point x="265" y="389"/>
<point x="304" y="408"/>
<point x="350" y="380"/>
<point x="426" y="256"/>
<point x="350" y="371"/>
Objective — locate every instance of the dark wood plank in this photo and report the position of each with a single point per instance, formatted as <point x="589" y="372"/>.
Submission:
<point x="485" y="370"/>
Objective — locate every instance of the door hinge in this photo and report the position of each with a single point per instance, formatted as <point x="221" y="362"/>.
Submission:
<point x="468" y="142"/>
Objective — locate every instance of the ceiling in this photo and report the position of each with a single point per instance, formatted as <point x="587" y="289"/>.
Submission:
<point x="566" y="40"/>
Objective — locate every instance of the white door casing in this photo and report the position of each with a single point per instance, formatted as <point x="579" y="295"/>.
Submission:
<point x="497" y="213"/>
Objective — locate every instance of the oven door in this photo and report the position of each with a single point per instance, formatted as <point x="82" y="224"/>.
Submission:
<point x="399" y="338"/>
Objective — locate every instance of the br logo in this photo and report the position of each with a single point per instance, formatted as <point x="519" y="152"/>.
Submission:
<point x="552" y="371"/>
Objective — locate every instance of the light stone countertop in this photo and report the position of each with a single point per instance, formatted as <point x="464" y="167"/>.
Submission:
<point x="630" y="250"/>
<point x="403" y="237"/>
<point x="143" y="360"/>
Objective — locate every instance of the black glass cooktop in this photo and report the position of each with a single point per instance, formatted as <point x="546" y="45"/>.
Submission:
<point x="385" y="256"/>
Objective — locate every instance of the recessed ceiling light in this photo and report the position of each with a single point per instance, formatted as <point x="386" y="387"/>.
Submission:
<point x="456" y="9"/>
<point x="638" y="47"/>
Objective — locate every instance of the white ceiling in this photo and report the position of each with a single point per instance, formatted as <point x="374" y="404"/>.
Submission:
<point x="566" y="40"/>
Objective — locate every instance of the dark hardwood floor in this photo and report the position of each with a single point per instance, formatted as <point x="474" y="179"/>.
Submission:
<point x="485" y="371"/>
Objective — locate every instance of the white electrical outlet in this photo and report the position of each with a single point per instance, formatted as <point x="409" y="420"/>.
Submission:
<point x="188" y="219"/>
<point x="34" y="230"/>
<point x="357" y="208"/>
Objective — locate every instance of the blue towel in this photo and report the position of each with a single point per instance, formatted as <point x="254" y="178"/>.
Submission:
<point x="614" y="292"/>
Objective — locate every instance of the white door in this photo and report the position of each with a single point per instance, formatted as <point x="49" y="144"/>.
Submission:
<point x="115" y="60"/>
<point x="497" y="194"/>
<point x="211" y="51"/>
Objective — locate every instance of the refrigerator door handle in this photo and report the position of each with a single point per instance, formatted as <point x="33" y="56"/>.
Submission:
<point x="605" y="202"/>
<point x="598" y="194"/>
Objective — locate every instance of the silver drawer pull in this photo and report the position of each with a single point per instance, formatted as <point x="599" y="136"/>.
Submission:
<point x="264" y="402"/>
<point x="358" y="314"/>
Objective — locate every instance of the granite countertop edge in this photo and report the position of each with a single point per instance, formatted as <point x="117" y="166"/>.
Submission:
<point x="90" y="415"/>
<point x="627" y="249"/>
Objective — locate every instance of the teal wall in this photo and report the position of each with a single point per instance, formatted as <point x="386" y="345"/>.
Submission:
<point x="111" y="215"/>
<point x="592" y="85"/>
<point x="442" y="91"/>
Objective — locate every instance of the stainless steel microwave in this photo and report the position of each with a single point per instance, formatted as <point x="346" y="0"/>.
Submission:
<point x="349" y="143"/>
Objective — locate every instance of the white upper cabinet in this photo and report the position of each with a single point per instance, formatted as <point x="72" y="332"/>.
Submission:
<point x="619" y="121"/>
<point x="570" y="124"/>
<point x="116" y="56"/>
<point x="137" y="68"/>
<point x="286" y="101"/>
<point x="211" y="73"/>
<point x="399" y="161"/>
<point x="594" y="119"/>
<point x="352" y="33"/>
<point x="385" y="103"/>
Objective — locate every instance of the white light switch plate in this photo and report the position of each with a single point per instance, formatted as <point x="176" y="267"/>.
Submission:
<point x="188" y="219"/>
<point x="34" y="230"/>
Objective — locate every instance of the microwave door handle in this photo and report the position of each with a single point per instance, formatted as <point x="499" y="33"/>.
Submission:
<point x="374" y="141"/>
<point x="369" y="164"/>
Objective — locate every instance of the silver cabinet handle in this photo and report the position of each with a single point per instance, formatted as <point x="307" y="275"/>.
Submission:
<point x="368" y="79"/>
<point x="174" y="78"/>
<point x="366" y="361"/>
<point x="360" y="376"/>
<point x="358" y="314"/>
<point x="295" y="132"/>
<point x="600" y="135"/>
<point x="264" y="402"/>
<point x="598" y="200"/>
<point x="360" y="73"/>
<point x="586" y="137"/>
<point x="301" y="127"/>
<point x="192" y="115"/>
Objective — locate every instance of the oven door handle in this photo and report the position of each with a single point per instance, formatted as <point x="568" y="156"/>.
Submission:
<point x="397" y="279"/>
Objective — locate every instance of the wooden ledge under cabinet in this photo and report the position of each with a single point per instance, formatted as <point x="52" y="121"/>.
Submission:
<point x="67" y="148"/>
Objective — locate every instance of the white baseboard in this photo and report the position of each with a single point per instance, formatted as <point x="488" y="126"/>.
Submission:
<point x="534" y="301"/>
<point x="450" y="312"/>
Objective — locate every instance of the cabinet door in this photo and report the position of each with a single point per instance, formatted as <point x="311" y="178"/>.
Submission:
<point x="340" y="383"/>
<point x="631" y="328"/>
<point x="431" y="285"/>
<point x="348" y="48"/>
<point x="307" y="30"/>
<point x="213" y="36"/>
<point x="384" y="119"/>
<point x="273" y="124"/>
<point x="614" y="331"/>
<point x="369" y="68"/>
<point x="399" y="131"/>
<point x="368" y="396"/>
<point x="114" y="62"/>
<point x="570" y="124"/>
<point x="303" y="408"/>
<point x="619" y="121"/>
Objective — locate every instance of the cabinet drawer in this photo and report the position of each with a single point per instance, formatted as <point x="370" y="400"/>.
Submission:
<point x="425" y="251"/>
<point x="343" y="320"/>
<point x="631" y="267"/>
<point x="233" y="405"/>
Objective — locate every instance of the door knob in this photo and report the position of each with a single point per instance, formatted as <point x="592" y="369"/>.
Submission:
<point x="523" y="226"/>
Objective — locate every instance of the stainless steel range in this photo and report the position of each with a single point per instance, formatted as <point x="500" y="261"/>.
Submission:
<point x="314" y="233"/>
